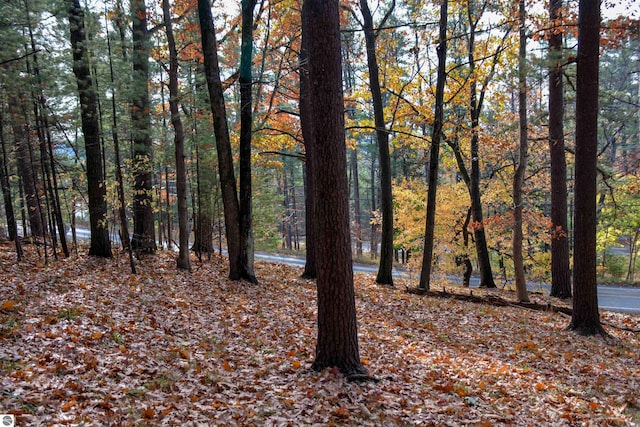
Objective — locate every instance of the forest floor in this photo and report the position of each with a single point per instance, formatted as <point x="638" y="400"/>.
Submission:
<point x="84" y="342"/>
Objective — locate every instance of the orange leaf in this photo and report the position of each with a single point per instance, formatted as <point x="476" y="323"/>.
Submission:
<point x="8" y="305"/>
<point x="341" y="412"/>
<point x="227" y="366"/>
<point x="149" y="413"/>
<point x="295" y="364"/>
<point x="70" y="404"/>
<point x="96" y="335"/>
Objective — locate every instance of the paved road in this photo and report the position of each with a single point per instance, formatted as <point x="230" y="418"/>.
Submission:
<point x="613" y="298"/>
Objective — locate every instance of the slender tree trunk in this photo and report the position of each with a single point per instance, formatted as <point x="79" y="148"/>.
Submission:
<point x="122" y="209"/>
<point x="46" y="145"/>
<point x="484" y="262"/>
<point x="585" y="319"/>
<point x="183" y="262"/>
<point x="6" y="195"/>
<point x="310" y="269"/>
<point x="385" y="269"/>
<point x="100" y="244"/>
<point x="143" y="219"/>
<point x="337" y="343"/>
<point x="246" y="124"/>
<point x="434" y="154"/>
<point x="223" y="143"/>
<point x="356" y="201"/>
<point x="522" y="160"/>
<point x="560" y="272"/>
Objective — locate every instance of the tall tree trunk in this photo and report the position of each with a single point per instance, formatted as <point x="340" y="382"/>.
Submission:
<point x="486" y="275"/>
<point x="25" y="167"/>
<point x="246" y="124"/>
<point x="122" y="209"/>
<point x="306" y="123"/>
<point x="183" y="262"/>
<point x="6" y="194"/>
<point x="560" y="272"/>
<point x="223" y="143"/>
<point x="356" y="201"/>
<point x="521" y="168"/>
<point x="434" y="154"/>
<point x="385" y="269"/>
<point x="337" y="343"/>
<point x="46" y="145"/>
<point x="143" y="219"/>
<point x="100" y="244"/>
<point x="585" y="319"/>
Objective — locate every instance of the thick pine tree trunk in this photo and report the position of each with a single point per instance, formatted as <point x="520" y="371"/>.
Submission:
<point x="434" y="154"/>
<point x="223" y="143"/>
<point x="585" y="319"/>
<point x="560" y="272"/>
<point x="337" y="343"/>
<point x="143" y="219"/>
<point x="183" y="262"/>
<point x="100" y="244"/>
<point x="306" y="123"/>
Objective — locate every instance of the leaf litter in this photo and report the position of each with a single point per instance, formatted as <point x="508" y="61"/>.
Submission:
<point x="83" y="342"/>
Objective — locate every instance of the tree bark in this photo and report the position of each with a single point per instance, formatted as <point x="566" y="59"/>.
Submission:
<point x="223" y="143"/>
<point x="385" y="269"/>
<point x="560" y="272"/>
<point x="486" y="275"/>
<point x="434" y="154"/>
<point x="100" y="244"/>
<point x="25" y="167"/>
<point x="246" y="124"/>
<point x="143" y="219"/>
<point x="6" y="195"/>
<point x="183" y="261"/>
<point x="521" y="160"/>
<point x="585" y="319"/>
<point x="337" y="343"/>
<point x="306" y="123"/>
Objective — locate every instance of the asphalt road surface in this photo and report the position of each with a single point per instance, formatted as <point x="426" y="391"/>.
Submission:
<point x="613" y="298"/>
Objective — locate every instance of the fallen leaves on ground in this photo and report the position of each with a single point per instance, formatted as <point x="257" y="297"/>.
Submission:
<point x="83" y="342"/>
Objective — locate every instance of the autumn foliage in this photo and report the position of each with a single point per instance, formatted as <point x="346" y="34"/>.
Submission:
<point x="84" y="342"/>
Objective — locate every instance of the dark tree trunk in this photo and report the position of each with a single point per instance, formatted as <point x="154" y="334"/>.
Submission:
<point x="521" y="168"/>
<point x="223" y="143"/>
<point x="385" y="269"/>
<point x="25" y="167"/>
<point x="560" y="273"/>
<point x="434" y="155"/>
<point x="183" y="262"/>
<point x="246" y="123"/>
<point x="337" y="328"/>
<point x="484" y="262"/>
<point x="6" y="194"/>
<point x="306" y="123"/>
<point x="100" y="244"/>
<point x="585" y="319"/>
<point x="143" y="220"/>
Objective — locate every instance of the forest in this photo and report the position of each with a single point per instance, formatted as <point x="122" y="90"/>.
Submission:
<point x="150" y="150"/>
